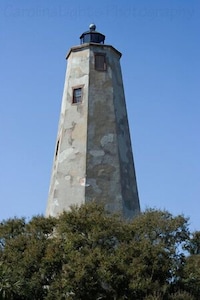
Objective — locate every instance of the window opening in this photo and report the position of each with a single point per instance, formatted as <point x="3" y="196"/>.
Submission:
<point x="100" y="62"/>
<point x="57" y="147"/>
<point x="77" y="95"/>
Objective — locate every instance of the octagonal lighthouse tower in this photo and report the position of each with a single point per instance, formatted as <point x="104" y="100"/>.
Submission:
<point x="93" y="159"/>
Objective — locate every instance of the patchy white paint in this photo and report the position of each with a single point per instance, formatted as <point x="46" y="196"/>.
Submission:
<point x="82" y="182"/>
<point x="107" y="139"/>
<point x="97" y="153"/>
<point x="55" y="202"/>
<point x="65" y="154"/>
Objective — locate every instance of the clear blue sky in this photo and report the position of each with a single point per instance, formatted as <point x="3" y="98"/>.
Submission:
<point x="160" y="44"/>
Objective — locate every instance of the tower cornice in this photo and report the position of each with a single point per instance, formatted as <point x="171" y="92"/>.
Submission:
<point x="89" y="45"/>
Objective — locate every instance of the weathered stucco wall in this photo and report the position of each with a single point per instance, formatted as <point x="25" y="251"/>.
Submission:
<point x="110" y="170"/>
<point x="103" y="168"/>
<point x="93" y="157"/>
<point x="67" y="185"/>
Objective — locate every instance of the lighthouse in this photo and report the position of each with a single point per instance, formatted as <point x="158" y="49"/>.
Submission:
<point x="93" y="158"/>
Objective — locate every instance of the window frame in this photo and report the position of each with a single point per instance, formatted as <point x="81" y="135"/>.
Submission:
<point x="79" y="87"/>
<point x="97" y="68"/>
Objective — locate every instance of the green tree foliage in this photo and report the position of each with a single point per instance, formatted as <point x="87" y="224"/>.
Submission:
<point x="190" y="279"/>
<point x="89" y="254"/>
<point x="23" y="246"/>
<point x="194" y="246"/>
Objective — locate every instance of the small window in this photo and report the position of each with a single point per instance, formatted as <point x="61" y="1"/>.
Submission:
<point x="57" y="147"/>
<point x="100" y="62"/>
<point x="77" y="95"/>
